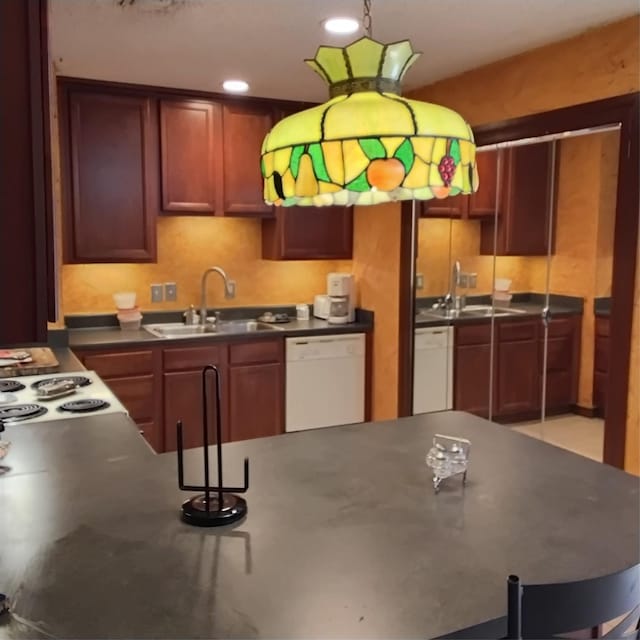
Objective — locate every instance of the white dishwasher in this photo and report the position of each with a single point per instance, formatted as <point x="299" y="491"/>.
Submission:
<point x="325" y="381"/>
<point x="433" y="369"/>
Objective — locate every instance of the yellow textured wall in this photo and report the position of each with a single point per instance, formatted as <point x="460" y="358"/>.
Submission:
<point x="186" y="247"/>
<point x="376" y="260"/>
<point x="597" y="64"/>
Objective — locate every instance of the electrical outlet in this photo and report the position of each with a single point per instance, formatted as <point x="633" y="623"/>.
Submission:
<point x="156" y="293"/>
<point x="231" y="289"/>
<point x="170" y="291"/>
<point x="419" y="281"/>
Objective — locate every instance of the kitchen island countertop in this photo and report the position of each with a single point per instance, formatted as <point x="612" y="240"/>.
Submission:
<point x="344" y="535"/>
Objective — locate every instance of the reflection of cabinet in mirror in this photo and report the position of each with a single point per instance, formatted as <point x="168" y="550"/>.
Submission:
<point x="481" y="204"/>
<point x="524" y="203"/>
<point x="601" y="365"/>
<point x="518" y="366"/>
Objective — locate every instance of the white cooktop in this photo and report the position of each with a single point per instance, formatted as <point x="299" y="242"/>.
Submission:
<point x="12" y="402"/>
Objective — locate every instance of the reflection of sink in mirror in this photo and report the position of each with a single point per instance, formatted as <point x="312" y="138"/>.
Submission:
<point x="470" y="311"/>
<point x="178" y="330"/>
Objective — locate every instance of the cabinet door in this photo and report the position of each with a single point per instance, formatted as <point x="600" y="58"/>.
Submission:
<point x="482" y="203"/>
<point x="255" y="401"/>
<point x="189" y="131"/>
<point x="518" y="371"/>
<point x="308" y="233"/>
<point x="26" y="218"/>
<point x="563" y="363"/>
<point x="525" y="203"/>
<point x="183" y="401"/>
<point x="244" y="129"/>
<point x="452" y="207"/>
<point x="471" y="378"/>
<point x="110" y="175"/>
<point x="528" y="206"/>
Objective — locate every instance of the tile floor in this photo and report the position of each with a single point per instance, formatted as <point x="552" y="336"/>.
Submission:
<point x="584" y="436"/>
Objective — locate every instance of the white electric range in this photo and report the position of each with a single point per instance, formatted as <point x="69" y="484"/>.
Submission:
<point x="55" y="396"/>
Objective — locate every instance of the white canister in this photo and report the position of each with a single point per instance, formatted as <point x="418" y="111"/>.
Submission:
<point x="302" y="311"/>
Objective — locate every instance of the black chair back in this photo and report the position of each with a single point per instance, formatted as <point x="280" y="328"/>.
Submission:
<point x="548" y="610"/>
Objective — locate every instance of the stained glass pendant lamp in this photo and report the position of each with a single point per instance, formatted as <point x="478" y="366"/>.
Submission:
<point x="367" y="144"/>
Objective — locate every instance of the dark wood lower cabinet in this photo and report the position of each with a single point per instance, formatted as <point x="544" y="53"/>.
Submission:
<point x="183" y="401"/>
<point x="472" y="368"/>
<point x="601" y="365"/>
<point x="518" y="366"/>
<point x="133" y="376"/>
<point x="160" y="386"/>
<point x="256" y="400"/>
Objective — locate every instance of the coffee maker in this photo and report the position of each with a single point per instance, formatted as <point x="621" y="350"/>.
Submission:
<point x="342" y="298"/>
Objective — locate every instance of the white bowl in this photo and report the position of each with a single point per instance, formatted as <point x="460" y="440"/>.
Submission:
<point x="125" y="299"/>
<point x="502" y="284"/>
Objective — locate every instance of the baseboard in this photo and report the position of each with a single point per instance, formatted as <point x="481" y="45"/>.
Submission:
<point x="587" y="412"/>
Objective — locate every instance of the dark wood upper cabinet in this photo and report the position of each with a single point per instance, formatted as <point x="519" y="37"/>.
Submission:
<point x="244" y="129"/>
<point x="453" y="207"/>
<point x="190" y="155"/>
<point x="482" y="203"/>
<point x="109" y="155"/>
<point x="307" y="233"/>
<point x="525" y="203"/>
<point x="25" y="180"/>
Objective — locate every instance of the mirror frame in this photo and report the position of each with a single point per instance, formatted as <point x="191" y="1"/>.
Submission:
<point x="625" y="111"/>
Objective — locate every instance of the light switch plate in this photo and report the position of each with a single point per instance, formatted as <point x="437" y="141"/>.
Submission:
<point x="170" y="291"/>
<point x="419" y="281"/>
<point x="156" y="293"/>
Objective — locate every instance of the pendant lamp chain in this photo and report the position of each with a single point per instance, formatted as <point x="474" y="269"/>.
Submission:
<point x="366" y="18"/>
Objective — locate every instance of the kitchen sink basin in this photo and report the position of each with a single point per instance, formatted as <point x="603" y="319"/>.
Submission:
<point x="179" y="330"/>
<point x="470" y="311"/>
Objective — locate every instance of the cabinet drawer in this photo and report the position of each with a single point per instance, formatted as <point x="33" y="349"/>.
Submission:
<point x="473" y="334"/>
<point x="192" y="357"/>
<point x="255" y="352"/>
<point x="560" y="327"/>
<point x="113" y="365"/>
<point x="136" y="394"/>
<point x="516" y="331"/>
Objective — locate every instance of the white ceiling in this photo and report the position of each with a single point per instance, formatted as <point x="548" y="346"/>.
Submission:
<point x="196" y="44"/>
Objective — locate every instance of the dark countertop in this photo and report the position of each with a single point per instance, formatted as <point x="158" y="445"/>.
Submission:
<point x="67" y="360"/>
<point x="528" y="306"/>
<point x="102" y="337"/>
<point x="602" y="307"/>
<point x="344" y="535"/>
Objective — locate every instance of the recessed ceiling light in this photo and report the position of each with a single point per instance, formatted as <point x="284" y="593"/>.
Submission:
<point x="235" y="86"/>
<point x="341" y="25"/>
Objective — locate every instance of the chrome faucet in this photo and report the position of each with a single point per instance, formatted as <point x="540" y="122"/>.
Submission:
<point x="452" y="299"/>
<point x="229" y="290"/>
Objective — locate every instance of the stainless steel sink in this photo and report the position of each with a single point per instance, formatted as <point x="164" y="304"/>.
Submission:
<point x="179" y="330"/>
<point x="470" y="311"/>
<point x="245" y="326"/>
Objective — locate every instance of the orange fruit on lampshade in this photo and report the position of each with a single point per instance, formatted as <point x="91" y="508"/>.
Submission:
<point x="441" y="192"/>
<point x="385" y="174"/>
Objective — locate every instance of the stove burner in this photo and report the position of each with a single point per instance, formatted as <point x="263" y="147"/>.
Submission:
<point x="79" y="381"/>
<point x="10" y="385"/>
<point x="20" y="412"/>
<point x="84" y="405"/>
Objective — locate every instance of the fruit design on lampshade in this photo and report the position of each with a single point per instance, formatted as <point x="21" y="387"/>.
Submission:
<point x="367" y="144"/>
